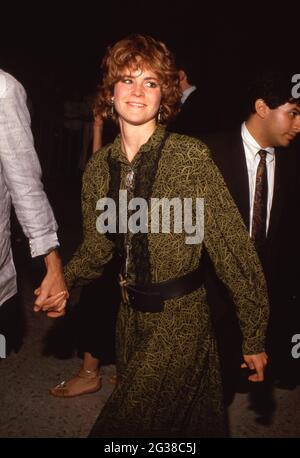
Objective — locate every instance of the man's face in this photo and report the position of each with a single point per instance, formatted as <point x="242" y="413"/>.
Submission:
<point x="282" y="124"/>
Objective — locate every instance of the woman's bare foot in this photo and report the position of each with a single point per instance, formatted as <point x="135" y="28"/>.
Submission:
<point x="83" y="383"/>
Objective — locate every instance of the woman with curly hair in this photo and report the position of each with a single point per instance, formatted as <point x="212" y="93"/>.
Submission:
<point x="168" y="377"/>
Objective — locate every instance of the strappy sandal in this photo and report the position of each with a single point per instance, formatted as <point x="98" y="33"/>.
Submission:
<point x="92" y="381"/>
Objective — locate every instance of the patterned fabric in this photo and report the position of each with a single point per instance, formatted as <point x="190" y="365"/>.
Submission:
<point x="259" y="220"/>
<point x="136" y="187"/>
<point x="168" y="369"/>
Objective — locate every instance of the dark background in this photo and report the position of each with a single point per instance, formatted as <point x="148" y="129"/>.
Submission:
<point x="48" y="45"/>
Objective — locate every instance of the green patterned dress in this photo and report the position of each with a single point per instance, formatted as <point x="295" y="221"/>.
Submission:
<point x="167" y="363"/>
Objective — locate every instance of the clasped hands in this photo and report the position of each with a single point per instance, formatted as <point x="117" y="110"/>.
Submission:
<point x="54" y="306"/>
<point x="52" y="294"/>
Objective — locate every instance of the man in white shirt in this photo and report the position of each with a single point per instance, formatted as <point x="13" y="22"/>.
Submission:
<point x="272" y="122"/>
<point x="20" y="184"/>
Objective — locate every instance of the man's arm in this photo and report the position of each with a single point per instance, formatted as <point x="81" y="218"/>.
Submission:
<point x="22" y="176"/>
<point x="54" y="286"/>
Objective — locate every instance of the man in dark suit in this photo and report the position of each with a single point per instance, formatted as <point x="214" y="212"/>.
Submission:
<point x="196" y="116"/>
<point x="272" y="122"/>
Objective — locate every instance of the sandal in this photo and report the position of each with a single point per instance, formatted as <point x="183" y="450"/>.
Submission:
<point x="84" y="382"/>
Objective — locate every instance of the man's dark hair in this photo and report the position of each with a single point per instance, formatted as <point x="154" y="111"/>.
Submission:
<point x="188" y="62"/>
<point x="273" y="87"/>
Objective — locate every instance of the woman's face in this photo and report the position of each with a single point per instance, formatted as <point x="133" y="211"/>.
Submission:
<point x="137" y="97"/>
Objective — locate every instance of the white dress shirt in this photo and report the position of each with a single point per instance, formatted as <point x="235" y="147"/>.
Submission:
<point x="251" y="148"/>
<point x="20" y="183"/>
<point x="186" y="93"/>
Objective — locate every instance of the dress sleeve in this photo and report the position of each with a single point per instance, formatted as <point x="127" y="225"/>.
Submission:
<point x="96" y="249"/>
<point x="234" y="256"/>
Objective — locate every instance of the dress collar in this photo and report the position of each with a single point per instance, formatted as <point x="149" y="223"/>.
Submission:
<point x="254" y="147"/>
<point x="152" y="144"/>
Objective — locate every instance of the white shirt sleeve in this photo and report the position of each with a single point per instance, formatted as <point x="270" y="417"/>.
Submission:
<point x="21" y="169"/>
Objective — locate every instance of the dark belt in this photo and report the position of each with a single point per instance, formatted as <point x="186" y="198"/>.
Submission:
<point x="150" y="298"/>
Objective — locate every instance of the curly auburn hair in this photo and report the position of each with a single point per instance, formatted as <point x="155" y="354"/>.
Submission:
<point x="137" y="52"/>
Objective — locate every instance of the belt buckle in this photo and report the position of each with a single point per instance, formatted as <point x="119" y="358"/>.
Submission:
<point x="124" y="292"/>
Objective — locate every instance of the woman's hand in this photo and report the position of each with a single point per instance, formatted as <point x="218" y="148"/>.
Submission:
<point x="256" y="363"/>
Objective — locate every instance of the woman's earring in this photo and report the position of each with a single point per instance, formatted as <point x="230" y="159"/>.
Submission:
<point x="159" y="116"/>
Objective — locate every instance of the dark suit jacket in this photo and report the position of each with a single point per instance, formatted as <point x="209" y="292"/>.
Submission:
<point x="280" y="251"/>
<point x="195" y="117"/>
